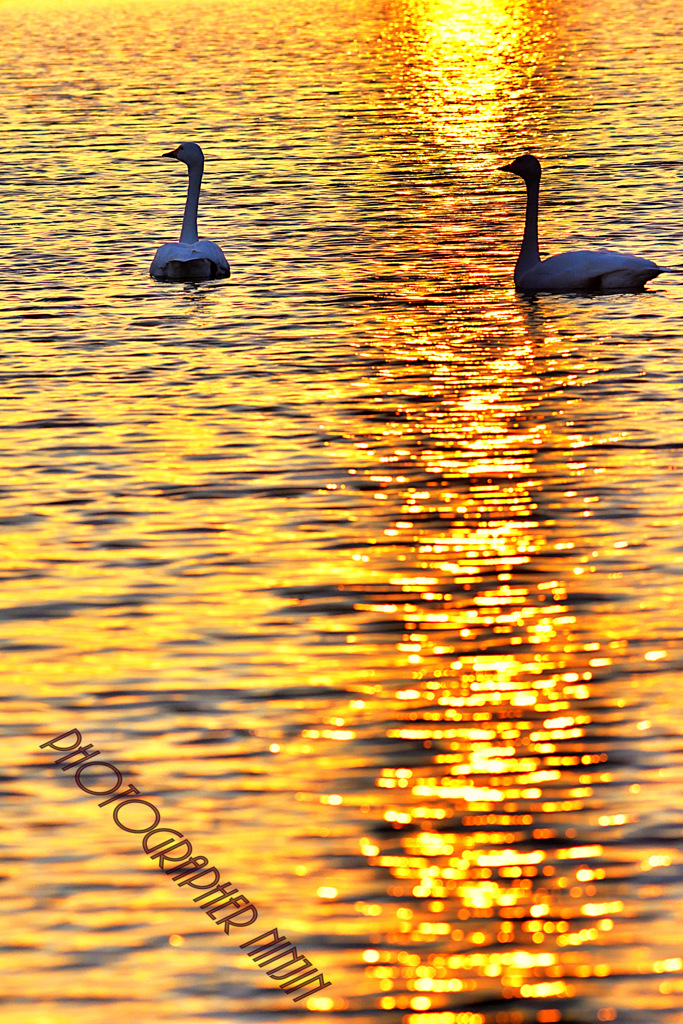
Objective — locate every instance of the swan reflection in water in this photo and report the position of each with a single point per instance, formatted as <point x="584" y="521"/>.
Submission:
<point x="581" y="270"/>
<point x="191" y="258"/>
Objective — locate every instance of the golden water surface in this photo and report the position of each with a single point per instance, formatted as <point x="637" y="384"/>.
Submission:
<point x="365" y="571"/>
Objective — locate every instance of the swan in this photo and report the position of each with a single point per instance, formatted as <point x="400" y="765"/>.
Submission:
<point x="191" y="258"/>
<point x="581" y="270"/>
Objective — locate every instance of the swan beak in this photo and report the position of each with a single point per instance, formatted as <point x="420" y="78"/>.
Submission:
<point x="173" y="153"/>
<point x="506" y="167"/>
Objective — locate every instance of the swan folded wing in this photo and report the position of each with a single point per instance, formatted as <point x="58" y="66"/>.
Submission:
<point x="192" y="260"/>
<point x="584" y="269"/>
<point x="209" y="250"/>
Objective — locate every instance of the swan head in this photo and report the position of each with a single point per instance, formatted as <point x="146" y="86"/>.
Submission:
<point x="188" y="153"/>
<point x="526" y="167"/>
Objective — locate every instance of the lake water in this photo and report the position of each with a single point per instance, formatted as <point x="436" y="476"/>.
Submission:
<point x="365" y="571"/>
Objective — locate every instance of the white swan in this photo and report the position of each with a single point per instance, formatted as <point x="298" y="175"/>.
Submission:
<point x="191" y="258"/>
<point x="581" y="270"/>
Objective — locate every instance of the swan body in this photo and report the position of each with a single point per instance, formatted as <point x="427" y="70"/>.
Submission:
<point x="191" y="258"/>
<point x="581" y="270"/>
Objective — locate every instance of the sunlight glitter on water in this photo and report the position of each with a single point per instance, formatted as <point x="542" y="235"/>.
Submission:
<point x="363" y="569"/>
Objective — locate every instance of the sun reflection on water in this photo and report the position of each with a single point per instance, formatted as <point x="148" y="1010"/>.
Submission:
<point x="479" y="831"/>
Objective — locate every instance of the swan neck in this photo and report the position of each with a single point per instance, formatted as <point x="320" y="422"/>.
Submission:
<point x="188" y="233"/>
<point x="528" y="254"/>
